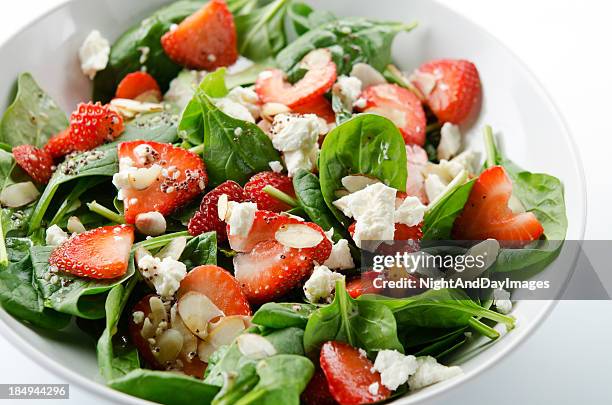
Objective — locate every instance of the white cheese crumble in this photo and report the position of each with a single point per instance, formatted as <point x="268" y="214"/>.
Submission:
<point x="350" y="89"/>
<point x="373" y="388"/>
<point x="367" y="75"/>
<point x="355" y="183"/>
<point x="429" y="372"/>
<point x="501" y="301"/>
<point x="340" y="257"/>
<point x="450" y="141"/>
<point x="234" y="109"/>
<point x="165" y="275"/>
<point x="94" y="53"/>
<point x="241" y="218"/>
<point x="182" y="88"/>
<point x="255" y="346"/>
<point x="410" y="212"/>
<point x="138" y="317"/>
<point x="321" y="284"/>
<point x="246" y="97"/>
<point x="131" y="177"/>
<point x="276" y="166"/>
<point x="240" y="65"/>
<point x="394" y="368"/>
<point x="434" y="186"/>
<point x="425" y="82"/>
<point x="55" y="236"/>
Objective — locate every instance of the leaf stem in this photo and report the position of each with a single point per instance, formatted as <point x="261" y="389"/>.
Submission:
<point x="105" y="212"/>
<point x="160" y="241"/>
<point x="280" y="196"/>
<point x="3" y="253"/>
<point x="403" y="81"/>
<point x="483" y="329"/>
<point x="489" y="141"/>
<point x="197" y="149"/>
<point x="433" y="127"/>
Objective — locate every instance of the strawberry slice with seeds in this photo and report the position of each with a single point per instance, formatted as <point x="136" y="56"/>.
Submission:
<point x="487" y="215"/>
<point x="319" y="106"/>
<point x="37" y="163"/>
<point x="90" y="126"/>
<point x="100" y="253"/>
<point x="205" y="40"/>
<point x="317" y="391"/>
<point x="349" y="375"/>
<point x="219" y="286"/>
<point x="272" y="87"/>
<point x="180" y="177"/>
<point x="139" y="86"/>
<point x="457" y="90"/>
<point x="264" y="227"/>
<point x="400" y="106"/>
<point x="363" y="284"/>
<point x="253" y="190"/>
<point x="206" y="219"/>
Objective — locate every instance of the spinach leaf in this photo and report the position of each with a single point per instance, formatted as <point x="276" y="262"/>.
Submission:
<point x="69" y="294"/>
<point x="365" y="324"/>
<point x="304" y="18"/>
<point x="110" y="362"/>
<point x="33" y="117"/>
<point x="438" y="221"/>
<point x="164" y="387"/>
<point x="260" y="32"/>
<point x="280" y="380"/>
<point x="127" y="52"/>
<point x="283" y="315"/>
<point x="350" y="40"/>
<point x="308" y="192"/>
<point x="366" y="144"/>
<point x="200" y="250"/>
<point x="103" y="160"/>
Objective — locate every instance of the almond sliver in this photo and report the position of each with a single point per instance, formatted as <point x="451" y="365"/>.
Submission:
<point x="298" y="236"/>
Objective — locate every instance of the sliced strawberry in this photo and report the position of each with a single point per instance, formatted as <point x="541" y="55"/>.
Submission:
<point x="264" y="227"/>
<point x="90" y="125"/>
<point x="253" y="190"/>
<point x="349" y="375"/>
<point x="183" y="177"/>
<point x="205" y="40"/>
<point x="219" y="286"/>
<point x="400" y="106"/>
<point x="417" y="162"/>
<point x="37" y="163"/>
<point x="100" y="253"/>
<point x="139" y="85"/>
<point x="487" y="215"/>
<point x="272" y="87"/>
<point x="364" y="284"/>
<point x="319" y="106"/>
<point x="317" y="391"/>
<point x="206" y="219"/>
<point x="457" y="89"/>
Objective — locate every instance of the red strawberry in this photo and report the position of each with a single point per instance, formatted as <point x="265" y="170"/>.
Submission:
<point x="37" y="163"/>
<point x="405" y="232"/>
<point x="272" y="87"/>
<point x="317" y="391"/>
<point x="139" y="86"/>
<point x="349" y="375"/>
<point x="364" y="284"/>
<point x="100" y="253"/>
<point x="182" y="178"/>
<point x="319" y="106"/>
<point x="264" y="227"/>
<point x="219" y="286"/>
<point x="205" y="40"/>
<point x="457" y="89"/>
<point x="400" y="106"/>
<point x="90" y="125"/>
<point x="253" y="190"/>
<point x="206" y="219"/>
<point x="487" y="215"/>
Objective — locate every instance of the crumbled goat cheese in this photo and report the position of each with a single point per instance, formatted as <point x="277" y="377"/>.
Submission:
<point x="138" y="317"/>
<point x="182" y="88"/>
<point x="501" y="301"/>
<point x="429" y="372"/>
<point x="340" y="257"/>
<point x="321" y="284"/>
<point x="131" y="177"/>
<point x="240" y="65"/>
<point x="350" y="89"/>
<point x="94" y="54"/>
<point x="234" y="109"/>
<point x="425" y="82"/>
<point x="255" y="346"/>
<point x="394" y="368"/>
<point x="55" y="236"/>
<point x="450" y="141"/>
<point x="165" y="275"/>
<point x="367" y="75"/>
<point x="299" y="159"/>
<point x="434" y="186"/>
<point x="247" y="97"/>
<point x="410" y="212"/>
<point x="355" y="183"/>
<point x="276" y="166"/>
<point x="373" y="388"/>
<point x="241" y="218"/>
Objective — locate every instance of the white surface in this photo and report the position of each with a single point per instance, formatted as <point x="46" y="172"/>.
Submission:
<point x="570" y="62"/>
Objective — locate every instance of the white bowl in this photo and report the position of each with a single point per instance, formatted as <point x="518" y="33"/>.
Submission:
<point x="534" y="135"/>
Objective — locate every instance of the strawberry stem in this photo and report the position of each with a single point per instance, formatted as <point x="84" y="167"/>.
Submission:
<point x="280" y="196"/>
<point x="403" y="81"/>
<point x="105" y="212"/>
<point x="489" y="141"/>
<point x="3" y="254"/>
<point x="483" y="329"/>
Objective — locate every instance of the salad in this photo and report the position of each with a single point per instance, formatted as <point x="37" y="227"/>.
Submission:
<point x="205" y="218"/>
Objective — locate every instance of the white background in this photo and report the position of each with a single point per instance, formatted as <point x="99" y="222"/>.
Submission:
<point x="566" y="43"/>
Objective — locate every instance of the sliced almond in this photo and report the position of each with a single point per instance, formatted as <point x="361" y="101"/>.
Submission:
<point x="151" y="223"/>
<point x="19" y="194"/>
<point x="134" y="107"/>
<point x="140" y="253"/>
<point x="174" y="249"/>
<point x="255" y="346"/>
<point x="196" y="311"/>
<point x="367" y="75"/>
<point x="170" y="344"/>
<point x="205" y="350"/>
<point x="298" y="236"/>
<point x="190" y="341"/>
<point x="270" y="110"/>
<point x="222" y="207"/>
<point x="158" y="311"/>
<point x="148" y="330"/>
<point x="358" y="182"/>
<point x="75" y="225"/>
<point x="225" y="330"/>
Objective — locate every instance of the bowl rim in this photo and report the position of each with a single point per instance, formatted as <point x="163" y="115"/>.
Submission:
<point x="103" y="391"/>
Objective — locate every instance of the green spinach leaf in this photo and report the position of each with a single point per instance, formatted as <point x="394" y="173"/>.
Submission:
<point x="366" y="144"/>
<point x="33" y="117"/>
<point x="283" y="315"/>
<point x="200" y="250"/>
<point x="260" y="32"/>
<point x="304" y="18"/>
<point x="438" y="222"/>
